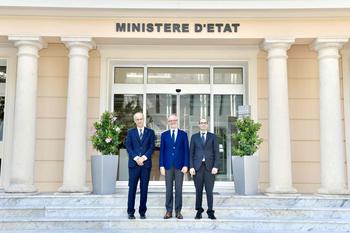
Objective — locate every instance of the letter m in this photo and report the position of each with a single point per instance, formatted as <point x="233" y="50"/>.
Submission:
<point x="120" y="27"/>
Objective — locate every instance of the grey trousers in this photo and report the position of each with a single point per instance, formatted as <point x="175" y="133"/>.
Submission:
<point x="172" y="175"/>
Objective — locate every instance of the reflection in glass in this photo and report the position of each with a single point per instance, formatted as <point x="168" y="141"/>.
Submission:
<point x="2" y="73"/>
<point x="166" y="75"/>
<point x="128" y="75"/>
<point x="228" y="75"/>
<point x="159" y="107"/>
<point x="225" y="112"/>
<point x="2" y="114"/>
<point x="192" y="109"/>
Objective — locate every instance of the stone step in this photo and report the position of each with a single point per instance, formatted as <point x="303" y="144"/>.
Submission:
<point x="152" y="231"/>
<point x="221" y="212"/>
<point x="157" y="200"/>
<point x="171" y="225"/>
<point x="154" y="212"/>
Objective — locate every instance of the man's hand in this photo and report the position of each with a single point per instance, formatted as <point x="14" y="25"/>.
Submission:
<point x="214" y="171"/>
<point x="184" y="170"/>
<point x="192" y="172"/>
<point x="140" y="161"/>
<point x="162" y="171"/>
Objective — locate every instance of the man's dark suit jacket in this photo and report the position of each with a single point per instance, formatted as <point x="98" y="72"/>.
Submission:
<point x="138" y="147"/>
<point x="209" y="149"/>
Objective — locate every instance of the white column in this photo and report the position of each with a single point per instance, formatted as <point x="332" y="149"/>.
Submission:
<point x="75" y="152"/>
<point x="280" y="164"/>
<point x="23" y="154"/>
<point x="331" y="125"/>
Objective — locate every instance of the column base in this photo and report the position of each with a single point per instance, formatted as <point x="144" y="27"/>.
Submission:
<point x="73" y="189"/>
<point x="333" y="191"/>
<point x="280" y="190"/>
<point x="20" y="188"/>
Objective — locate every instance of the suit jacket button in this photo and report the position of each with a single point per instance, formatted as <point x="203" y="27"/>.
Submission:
<point x="174" y="147"/>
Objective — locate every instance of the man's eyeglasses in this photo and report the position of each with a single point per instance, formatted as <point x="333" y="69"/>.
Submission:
<point x="203" y="123"/>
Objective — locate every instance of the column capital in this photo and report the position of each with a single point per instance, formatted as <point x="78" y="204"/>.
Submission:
<point x="35" y="41"/>
<point x="277" y="48"/>
<point x="277" y="43"/>
<point x="86" y="42"/>
<point x="328" y="47"/>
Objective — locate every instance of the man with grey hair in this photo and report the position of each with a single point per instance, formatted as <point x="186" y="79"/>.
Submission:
<point x="204" y="164"/>
<point x="173" y="163"/>
<point x="140" y="143"/>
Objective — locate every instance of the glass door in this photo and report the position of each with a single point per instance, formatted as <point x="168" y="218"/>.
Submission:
<point x="190" y="92"/>
<point x="160" y="106"/>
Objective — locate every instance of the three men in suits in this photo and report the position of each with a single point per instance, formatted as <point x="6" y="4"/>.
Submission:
<point x="140" y="143"/>
<point x="173" y="163"/>
<point x="204" y="164"/>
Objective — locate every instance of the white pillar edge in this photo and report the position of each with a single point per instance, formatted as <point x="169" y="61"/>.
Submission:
<point x="346" y="92"/>
<point x="8" y="52"/>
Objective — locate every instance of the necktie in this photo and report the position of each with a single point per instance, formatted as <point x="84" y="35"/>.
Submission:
<point x="141" y="134"/>
<point x="173" y="136"/>
<point x="203" y="138"/>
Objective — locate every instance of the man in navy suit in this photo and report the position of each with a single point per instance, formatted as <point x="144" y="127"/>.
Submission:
<point x="173" y="162"/>
<point x="204" y="164"/>
<point x="140" y="142"/>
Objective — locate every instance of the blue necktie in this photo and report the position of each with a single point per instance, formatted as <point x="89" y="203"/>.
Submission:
<point x="203" y="138"/>
<point x="173" y="136"/>
<point x="141" y="134"/>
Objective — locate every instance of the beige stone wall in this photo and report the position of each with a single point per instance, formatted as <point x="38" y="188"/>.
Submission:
<point x="303" y="87"/>
<point x="51" y="113"/>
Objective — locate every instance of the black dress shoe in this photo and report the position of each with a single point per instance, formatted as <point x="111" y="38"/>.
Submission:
<point x="143" y="216"/>
<point x="131" y="216"/>
<point x="179" y="215"/>
<point x="198" y="215"/>
<point x="211" y="216"/>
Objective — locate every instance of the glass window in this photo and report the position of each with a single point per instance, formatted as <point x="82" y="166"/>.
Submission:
<point x="225" y="112"/>
<point x="2" y="114"/>
<point x="128" y="75"/>
<point x="228" y="75"/>
<point x="168" y="75"/>
<point x="126" y="106"/>
<point x="2" y="73"/>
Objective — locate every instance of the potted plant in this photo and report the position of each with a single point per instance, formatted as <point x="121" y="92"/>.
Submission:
<point x="106" y="140"/>
<point x="245" y="163"/>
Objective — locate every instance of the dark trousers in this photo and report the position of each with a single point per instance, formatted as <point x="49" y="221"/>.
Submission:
<point x="135" y="174"/>
<point x="172" y="175"/>
<point x="204" y="178"/>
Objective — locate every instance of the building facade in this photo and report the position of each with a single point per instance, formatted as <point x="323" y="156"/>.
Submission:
<point x="63" y="64"/>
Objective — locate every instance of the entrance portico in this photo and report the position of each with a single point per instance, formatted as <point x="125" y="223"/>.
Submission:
<point x="255" y="63"/>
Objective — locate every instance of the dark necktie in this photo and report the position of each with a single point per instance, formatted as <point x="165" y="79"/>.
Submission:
<point x="141" y="134"/>
<point x="203" y="138"/>
<point x="173" y="136"/>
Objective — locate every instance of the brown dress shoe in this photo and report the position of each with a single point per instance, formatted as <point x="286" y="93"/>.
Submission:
<point x="179" y="215"/>
<point x="168" y="215"/>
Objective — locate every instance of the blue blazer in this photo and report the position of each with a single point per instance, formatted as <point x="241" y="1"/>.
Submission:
<point x="210" y="150"/>
<point x="137" y="147"/>
<point x="174" y="154"/>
